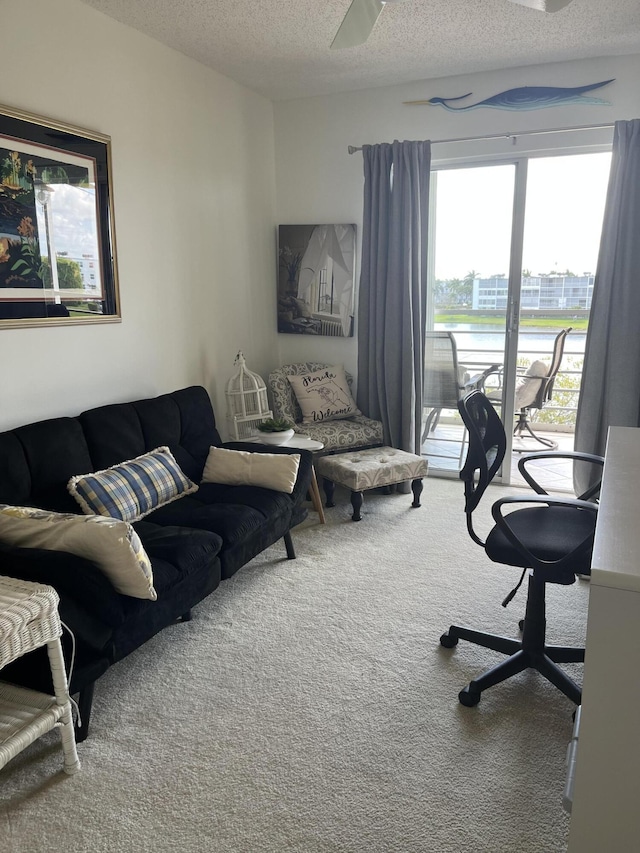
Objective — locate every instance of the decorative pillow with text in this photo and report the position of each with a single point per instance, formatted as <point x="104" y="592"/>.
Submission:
<point x="324" y="395"/>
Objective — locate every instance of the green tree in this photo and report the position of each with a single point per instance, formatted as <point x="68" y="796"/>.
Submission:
<point x="566" y="273"/>
<point x="467" y="290"/>
<point x="440" y="293"/>
<point x="565" y="393"/>
<point x="69" y="274"/>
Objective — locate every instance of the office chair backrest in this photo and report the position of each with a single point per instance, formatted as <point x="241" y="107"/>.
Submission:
<point x="487" y="447"/>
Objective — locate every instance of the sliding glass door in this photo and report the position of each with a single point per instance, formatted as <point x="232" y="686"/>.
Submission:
<point x="472" y="242"/>
<point x="513" y="255"/>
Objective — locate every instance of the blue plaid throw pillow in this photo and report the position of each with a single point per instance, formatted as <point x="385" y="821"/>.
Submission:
<point x="133" y="489"/>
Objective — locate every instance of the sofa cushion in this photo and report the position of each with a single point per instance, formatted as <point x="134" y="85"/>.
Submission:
<point x="133" y="489"/>
<point x="275" y="471"/>
<point x="37" y="460"/>
<point x="113" y="545"/>
<point x="182" y="420"/>
<point x="324" y="395"/>
<point x="247" y="518"/>
<point x="347" y="434"/>
<point x="229" y="519"/>
<point x="176" y="552"/>
<point x="186" y="567"/>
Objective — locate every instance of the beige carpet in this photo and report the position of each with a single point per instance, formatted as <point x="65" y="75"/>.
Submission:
<point x="308" y="707"/>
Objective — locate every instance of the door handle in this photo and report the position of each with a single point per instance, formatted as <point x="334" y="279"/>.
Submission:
<point x="514" y="314"/>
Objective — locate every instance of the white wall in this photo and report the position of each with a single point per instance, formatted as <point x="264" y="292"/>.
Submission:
<point x="193" y="182"/>
<point x="195" y="197"/>
<point x="318" y="181"/>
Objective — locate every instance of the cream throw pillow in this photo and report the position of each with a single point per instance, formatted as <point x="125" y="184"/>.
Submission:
<point x="529" y="384"/>
<point x="277" y="471"/>
<point x="324" y="395"/>
<point x="112" y="544"/>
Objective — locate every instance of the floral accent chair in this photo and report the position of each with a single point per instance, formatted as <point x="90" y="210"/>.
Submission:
<point x="350" y="433"/>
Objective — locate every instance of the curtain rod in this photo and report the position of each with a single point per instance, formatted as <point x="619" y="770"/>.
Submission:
<point x="352" y="148"/>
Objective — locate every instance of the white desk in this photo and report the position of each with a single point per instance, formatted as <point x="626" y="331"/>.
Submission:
<point x="606" y="804"/>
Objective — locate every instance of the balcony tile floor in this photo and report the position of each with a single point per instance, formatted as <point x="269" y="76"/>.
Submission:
<point x="443" y="447"/>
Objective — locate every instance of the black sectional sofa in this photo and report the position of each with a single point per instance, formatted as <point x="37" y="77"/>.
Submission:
<point x="193" y="543"/>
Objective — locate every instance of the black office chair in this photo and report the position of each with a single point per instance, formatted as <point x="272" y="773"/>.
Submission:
<point x="551" y="537"/>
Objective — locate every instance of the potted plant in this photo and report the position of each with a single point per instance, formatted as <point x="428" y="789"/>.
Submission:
<point x="275" y="431"/>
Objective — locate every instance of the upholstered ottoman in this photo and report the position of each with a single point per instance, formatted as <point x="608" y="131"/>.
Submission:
<point x="361" y="470"/>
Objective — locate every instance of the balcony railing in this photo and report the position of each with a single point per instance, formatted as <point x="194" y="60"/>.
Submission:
<point x="479" y="349"/>
<point x="560" y="412"/>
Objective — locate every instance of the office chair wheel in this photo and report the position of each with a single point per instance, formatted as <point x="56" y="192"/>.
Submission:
<point x="521" y="624"/>
<point x="448" y="641"/>
<point x="468" y="697"/>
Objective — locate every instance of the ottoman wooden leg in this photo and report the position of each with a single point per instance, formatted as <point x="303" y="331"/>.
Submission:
<point x="328" y="486"/>
<point x="416" y="488"/>
<point x="356" y="503"/>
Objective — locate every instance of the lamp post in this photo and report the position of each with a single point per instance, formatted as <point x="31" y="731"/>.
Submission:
<point x="43" y="196"/>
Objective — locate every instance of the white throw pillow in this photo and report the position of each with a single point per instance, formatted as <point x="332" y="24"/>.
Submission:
<point x="112" y="544"/>
<point x="277" y="471"/>
<point x="324" y="395"/>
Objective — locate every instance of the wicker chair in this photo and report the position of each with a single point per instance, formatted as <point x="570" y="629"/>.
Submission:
<point x="337" y="436"/>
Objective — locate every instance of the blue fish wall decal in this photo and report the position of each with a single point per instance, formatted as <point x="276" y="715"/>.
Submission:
<point x="525" y="98"/>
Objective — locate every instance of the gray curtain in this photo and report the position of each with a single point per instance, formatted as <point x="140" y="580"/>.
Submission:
<point x="393" y="288"/>
<point x="610" y="393"/>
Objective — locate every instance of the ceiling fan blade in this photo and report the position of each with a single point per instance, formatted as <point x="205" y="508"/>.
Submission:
<point x="358" y="23"/>
<point x="543" y="5"/>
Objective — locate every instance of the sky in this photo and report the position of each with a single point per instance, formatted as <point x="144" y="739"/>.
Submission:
<point x="74" y="216"/>
<point x="563" y="217"/>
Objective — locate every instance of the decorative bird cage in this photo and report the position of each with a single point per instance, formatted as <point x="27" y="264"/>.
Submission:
<point x="247" y="404"/>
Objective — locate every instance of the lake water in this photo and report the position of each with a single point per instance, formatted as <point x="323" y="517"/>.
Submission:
<point x="487" y="344"/>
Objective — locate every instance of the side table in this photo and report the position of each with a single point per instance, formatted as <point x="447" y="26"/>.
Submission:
<point x="28" y="620"/>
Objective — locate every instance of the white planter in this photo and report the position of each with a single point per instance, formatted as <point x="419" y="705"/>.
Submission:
<point x="276" y="437"/>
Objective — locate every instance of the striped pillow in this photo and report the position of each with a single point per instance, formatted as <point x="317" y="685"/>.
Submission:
<point x="132" y="489"/>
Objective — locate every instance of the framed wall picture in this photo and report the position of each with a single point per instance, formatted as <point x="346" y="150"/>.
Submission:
<point x="316" y="279"/>
<point x="57" y="245"/>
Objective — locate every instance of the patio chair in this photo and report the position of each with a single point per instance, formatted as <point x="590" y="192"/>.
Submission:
<point x="534" y="391"/>
<point x="446" y="381"/>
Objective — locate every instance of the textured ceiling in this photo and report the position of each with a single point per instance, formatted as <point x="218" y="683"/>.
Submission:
<point x="280" y="48"/>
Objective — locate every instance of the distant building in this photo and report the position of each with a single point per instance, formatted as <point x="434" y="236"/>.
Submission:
<point x="555" y="292"/>
<point x="89" y="270"/>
